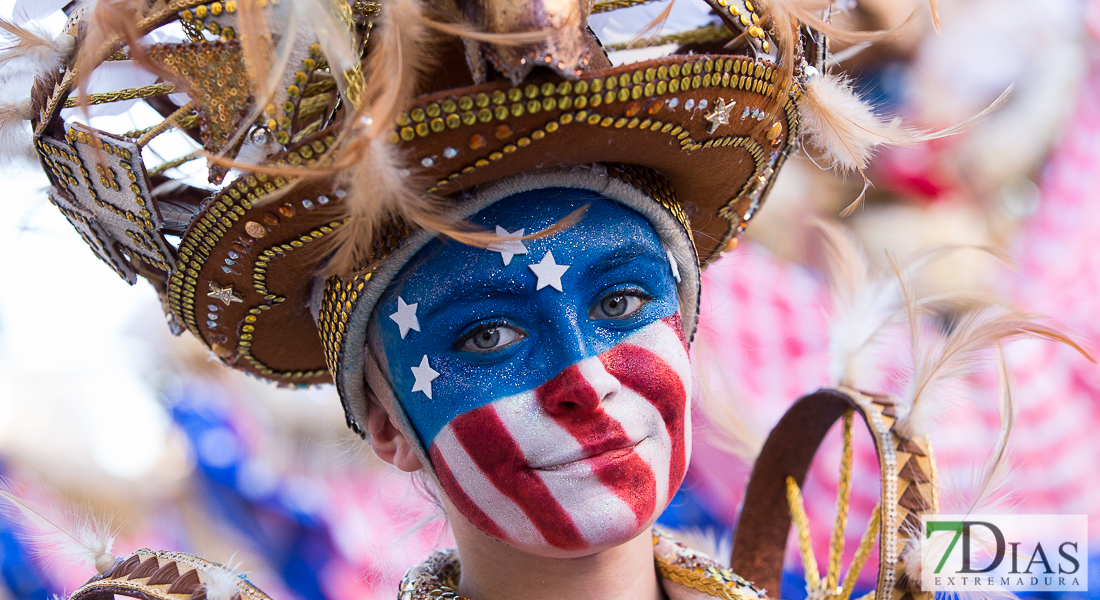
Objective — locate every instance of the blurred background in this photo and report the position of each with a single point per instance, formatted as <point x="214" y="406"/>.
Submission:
<point x="100" y="407"/>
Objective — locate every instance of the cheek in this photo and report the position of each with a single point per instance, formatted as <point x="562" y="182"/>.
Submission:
<point x="654" y="364"/>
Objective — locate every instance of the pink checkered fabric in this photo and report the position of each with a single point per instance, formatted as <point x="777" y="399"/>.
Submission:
<point x="767" y="322"/>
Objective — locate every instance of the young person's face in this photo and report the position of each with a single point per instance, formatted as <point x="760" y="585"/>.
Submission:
<point x="548" y="379"/>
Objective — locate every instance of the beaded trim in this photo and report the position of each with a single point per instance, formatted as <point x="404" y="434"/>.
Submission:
<point x="438" y="576"/>
<point x="208" y="232"/>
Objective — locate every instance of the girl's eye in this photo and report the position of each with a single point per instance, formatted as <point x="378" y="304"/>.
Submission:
<point x="490" y="338"/>
<point x="618" y="305"/>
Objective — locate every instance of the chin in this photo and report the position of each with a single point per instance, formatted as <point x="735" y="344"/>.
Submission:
<point x="612" y="536"/>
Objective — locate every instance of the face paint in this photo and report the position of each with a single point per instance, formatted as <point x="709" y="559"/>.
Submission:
<point x="547" y="378"/>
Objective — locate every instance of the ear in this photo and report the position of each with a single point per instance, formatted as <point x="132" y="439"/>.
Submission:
<point x="388" y="442"/>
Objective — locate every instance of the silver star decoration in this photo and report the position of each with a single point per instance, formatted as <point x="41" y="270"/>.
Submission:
<point x="720" y="116"/>
<point x="225" y="294"/>
<point x="424" y="375"/>
<point x="672" y="263"/>
<point x="548" y="272"/>
<point x="405" y="317"/>
<point x="509" y="246"/>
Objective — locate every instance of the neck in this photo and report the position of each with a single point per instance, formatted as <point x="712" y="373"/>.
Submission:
<point x="492" y="570"/>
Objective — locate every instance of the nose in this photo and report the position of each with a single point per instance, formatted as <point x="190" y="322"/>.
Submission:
<point x="578" y="390"/>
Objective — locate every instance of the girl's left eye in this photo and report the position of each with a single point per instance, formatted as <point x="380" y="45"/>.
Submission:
<point x="490" y="338"/>
<point x="618" y="305"/>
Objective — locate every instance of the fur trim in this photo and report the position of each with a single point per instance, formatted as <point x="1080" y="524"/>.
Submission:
<point x="222" y="582"/>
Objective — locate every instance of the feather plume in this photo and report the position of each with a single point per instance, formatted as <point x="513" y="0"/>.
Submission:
<point x="994" y="473"/>
<point x="108" y="23"/>
<point x="842" y="126"/>
<point x="15" y="132"/>
<point x="63" y="534"/>
<point x="222" y="581"/>
<point x="864" y="305"/>
<point x="955" y="354"/>
<point x="32" y="50"/>
<point x="846" y="131"/>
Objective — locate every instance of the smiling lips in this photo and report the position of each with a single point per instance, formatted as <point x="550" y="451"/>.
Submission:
<point x="596" y="455"/>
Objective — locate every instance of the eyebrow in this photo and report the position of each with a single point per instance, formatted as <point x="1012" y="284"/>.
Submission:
<point x="478" y="292"/>
<point x="626" y="255"/>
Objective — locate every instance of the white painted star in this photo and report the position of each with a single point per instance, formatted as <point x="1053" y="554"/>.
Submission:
<point x="509" y="246"/>
<point x="548" y="272"/>
<point x="424" y="375"/>
<point x="672" y="263"/>
<point x="405" y="317"/>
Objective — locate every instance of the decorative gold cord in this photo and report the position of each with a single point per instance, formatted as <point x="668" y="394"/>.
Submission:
<point x="843" y="493"/>
<point x="147" y="91"/>
<point x="702" y="35"/>
<point x="312" y="107"/>
<point x="166" y="124"/>
<point x="802" y="524"/>
<point x="868" y="596"/>
<point x="157" y="170"/>
<point x="699" y="581"/>
<point x="862" y="552"/>
<point x="609" y="5"/>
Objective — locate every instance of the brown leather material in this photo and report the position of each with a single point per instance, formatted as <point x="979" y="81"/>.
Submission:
<point x="178" y="577"/>
<point x="906" y="468"/>
<point x="186" y="583"/>
<point x="761" y="537"/>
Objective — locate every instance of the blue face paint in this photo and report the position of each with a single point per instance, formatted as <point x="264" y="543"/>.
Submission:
<point x="467" y="300"/>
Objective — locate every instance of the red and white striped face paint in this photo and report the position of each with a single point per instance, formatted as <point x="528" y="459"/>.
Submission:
<point x="584" y="462"/>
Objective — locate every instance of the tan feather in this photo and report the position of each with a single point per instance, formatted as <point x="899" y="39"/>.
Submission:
<point x="109" y="23"/>
<point x="15" y="132"/>
<point x="847" y="132"/>
<point x="954" y="355"/>
<point x="61" y="533"/>
<point x="32" y="50"/>
<point x="864" y="305"/>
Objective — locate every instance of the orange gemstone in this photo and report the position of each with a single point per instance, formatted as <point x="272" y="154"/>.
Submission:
<point x="287" y="211"/>
<point x="633" y="109"/>
<point x="255" y="230"/>
<point x="503" y="132"/>
<point x="478" y="141"/>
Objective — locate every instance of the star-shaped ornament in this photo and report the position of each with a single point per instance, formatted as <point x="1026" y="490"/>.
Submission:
<point x="225" y="294"/>
<point x="424" y="375"/>
<point x="672" y="263"/>
<point x="405" y="317"/>
<point x="720" y="116"/>
<point x="509" y="245"/>
<point x="548" y="272"/>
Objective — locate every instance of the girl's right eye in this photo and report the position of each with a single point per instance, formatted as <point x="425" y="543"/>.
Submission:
<point x="492" y="337"/>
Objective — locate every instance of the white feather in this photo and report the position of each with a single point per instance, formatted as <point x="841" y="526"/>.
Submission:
<point x="841" y="126"/>
<point x="864" y="305"/>
<point x="62" y="533"/>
